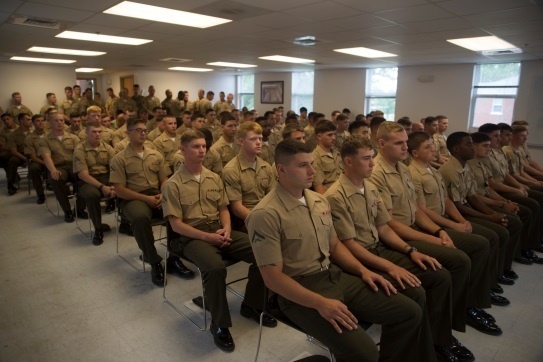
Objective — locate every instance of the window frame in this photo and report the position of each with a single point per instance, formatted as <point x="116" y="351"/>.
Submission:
<point x="240" y="95"/>
<point x="369" y="97"/>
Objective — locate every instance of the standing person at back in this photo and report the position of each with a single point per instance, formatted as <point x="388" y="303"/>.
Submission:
<point x="227" y="145"/>
<point x="327" y="158"/>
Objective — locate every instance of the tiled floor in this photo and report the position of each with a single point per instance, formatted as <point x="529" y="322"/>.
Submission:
<point x="62" y="299"/>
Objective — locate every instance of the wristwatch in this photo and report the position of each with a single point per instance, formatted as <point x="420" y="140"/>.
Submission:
<point x="411" y="250"/>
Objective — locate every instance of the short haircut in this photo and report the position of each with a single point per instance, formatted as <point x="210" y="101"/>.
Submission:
<point x="248" y="114"/>
<point x="520" y="123"/>
<point x="429" y="120"/>
<point x="415" y="139"/>
<point x="303" y="109"/>
<point x="311" y="115"/>
<point x="376" y="122"/>
<point x="378" y="113"/>
<point x="335" y="112"/>
<point x="143" y="111"/>
<point x="70" y="88"/>
<point x="290" y="129"/>
<point x="386" y="128"/>
<point x="356" y="125"/>
<point x="107" y="90"/>
<point x="246" y="127"/>
<point x="441" y="117"/>
<point x="505" y="127"/>
<point x="181" y="94"/>
<point x="49" y="95"/>
<point x="225" y="117"/>
<point x="34" y="117"/>
<point x="480" y="137"/>
<point x="118" y="111"/>
<point x="519" y="129"/>
<point x="187" y="113"/>
<point x="50" y="111"/>
<point x="97" y="94"/>
<point x="21" y="116"/>
<point x="94" y="109"/>
<point x="489" y="128"/>
<point x="288" y="148"/>
<point x="261" y="119"/>
<point x="291" y="119"/>
<point x="351" y="146"/>
<point x="75" y="115"/>
<point x="360" y="117"/>
<point x="195" y="116"/>
<point x="93" y="123"/>
<point x="129" y="109"/>
<point x="76" y="86"/>
<point x="209" y="110"/>
<point x="267" y="114"/>
<point x="210" y="93"/>
<point x="156" y="109"/>
<point x="190" y="135"/>
<point x="324" y="125"/>
<point x="169" y="116"/>
<point x="319" y="115"/>
<point x="136" y="85"/>
<point x="342" y="117"/>
<point x="208" y="136"/>
<point x="406" y="122"/>
<point x="346" y="110"/>
<point x="15" y="94"/>
<point x="132" y="121"/>
<point x="454" y="139"/>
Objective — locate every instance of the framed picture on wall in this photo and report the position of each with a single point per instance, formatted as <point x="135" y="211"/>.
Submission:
<point x="271" y="92"/>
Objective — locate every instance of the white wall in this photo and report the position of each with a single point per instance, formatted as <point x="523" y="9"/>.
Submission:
<point x="33" y="81"/>
<point x="339" y="88"/>
<point x="286" y="77"/>
<point x="449" y="93"/>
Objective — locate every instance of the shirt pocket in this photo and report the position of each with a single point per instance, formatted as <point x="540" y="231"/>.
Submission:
<point x="68" y="144"/>
<point x="213" y="195"/>
<point x="189" y="200"/>
<point x="155" y="167"/>
<point x="102" y="158"/>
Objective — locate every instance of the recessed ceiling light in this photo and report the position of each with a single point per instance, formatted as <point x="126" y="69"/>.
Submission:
<point x="85" y="53"/>
<point x="164" y="15"/>
<point x="88" y="70"/>
<point x="305" y="40"/>
<point x="365" y="52"/>
<point x="102" y="38"/>
<point x="189" y="69"/>
<point x="282" y="58"/>
<point x="43" y="60"/>
<point x="482" y="43"/>
<point x="234" y="65"/>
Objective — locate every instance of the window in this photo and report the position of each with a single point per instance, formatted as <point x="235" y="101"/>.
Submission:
<point x="495" y="88"/>
<point x="246" y="91"/>
<point x="302" y="90"/>
<point x="381" y="84"/>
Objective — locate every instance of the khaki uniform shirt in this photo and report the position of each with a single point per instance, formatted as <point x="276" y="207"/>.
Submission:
<point x="151" y="124"/>
<point x="154" y="134"/>
<point x="69" y="106"/>
<point x="329" y="165"/>
<point x="429" y="187"/>
<point x="94" y="160"/>
<point x="195" y="202"/>
<point x="121" y="145"/>
<point x="275" y="137"/>
<point x="227" y="107"/>
<point x="244" y="183"/>
<point x="16" y="139"/>
<point x="218" y="106"/>
<point x="123" y="104"/>
<point x="480" y="174"/>
<point x="226" y="150"/>
<point x="212" y="161"/>
<point x="440" y="142"/>
<point x="357" y="213"/>
<point x="107" y="136"/>
<point x="61" y="151"/>
<point x="375" y="148"/>
<point x="109" y="105"/>
<point x="46" y="107"/>
<point x="32" y="144"/>
<point x="397" y="189"/>
<point x="120" y="134"/>
<point x="211" y="127"/>
<point x="140" y="101"/>
<point x="69" y="129"/>
<point x="217" y="134"/>
<point x="514" y="159"/>
<point x="497" y="164"/>
<point x="266" y="154"/>
<point x="340" y="138"/>
<point x="284" y="230"/>
<point x="168" y="103"/>
<point x="14" y="111"/>
<point x="458" y="180"/>
<point x="136" y="173"/>
<point x="204" y="105"/>
<point x="4" y="135"/>
<point x="181" y="129"/>
<point x="304" y="122"/>
<point x="525" y="153"/>
<point x="168" y="147"/>
<point x="151" y="102"/>
<point x="309" y="130"/>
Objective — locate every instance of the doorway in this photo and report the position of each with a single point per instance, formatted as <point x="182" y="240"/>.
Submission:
<point x="128" y="83"/>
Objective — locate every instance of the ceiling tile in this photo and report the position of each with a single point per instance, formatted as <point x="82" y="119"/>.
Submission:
<point x="441" y="25"/>
<point x="371" y="6"/>
<point x="528" y="13"/>
<point x="277" y="20"/>
<point x="115" y="21"/>
<point x="94" y="6"/>
<point x="322" y="11"/>
<point x="277" y="5"/>
<point x="53" y="12"/>
<point x="466" y="7"/>
<point x="358" y="22"/>
<point x="9" y="6"/>
<point x="414" y="13"/>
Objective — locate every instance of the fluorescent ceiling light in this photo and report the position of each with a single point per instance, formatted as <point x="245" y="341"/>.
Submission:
<point x="43" y="60"/>
<point x="102" y="38"/>
<point x="482" y="43"/>
<point x="365" y="52"/>
<point x="88" y="70"/>
<point x="164" y="15"/>
<point x="189" y="69"/>
<point x="281" y="58"/>
<point x="85" y="53"/>
<point x="234" y="65"/>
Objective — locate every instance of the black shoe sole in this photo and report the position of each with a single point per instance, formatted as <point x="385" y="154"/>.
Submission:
<point x="475" y="326"/>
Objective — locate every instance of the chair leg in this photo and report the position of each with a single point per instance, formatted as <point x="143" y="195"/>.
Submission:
<point x="117" y="217"/>
<point x="259" y="336"/>
<point x="178" y="310"/>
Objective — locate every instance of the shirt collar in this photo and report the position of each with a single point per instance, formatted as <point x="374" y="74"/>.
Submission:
<point x="186" y="176"/>
<point x="291" y="202"/>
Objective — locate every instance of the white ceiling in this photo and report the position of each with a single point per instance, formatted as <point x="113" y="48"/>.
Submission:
<point x="415" y="30"/>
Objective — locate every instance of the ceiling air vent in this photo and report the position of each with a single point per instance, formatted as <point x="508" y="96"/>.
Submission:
<point x="501" y="52"/>
<point x="36" y="22"/>
<point x="175" y="60"/>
